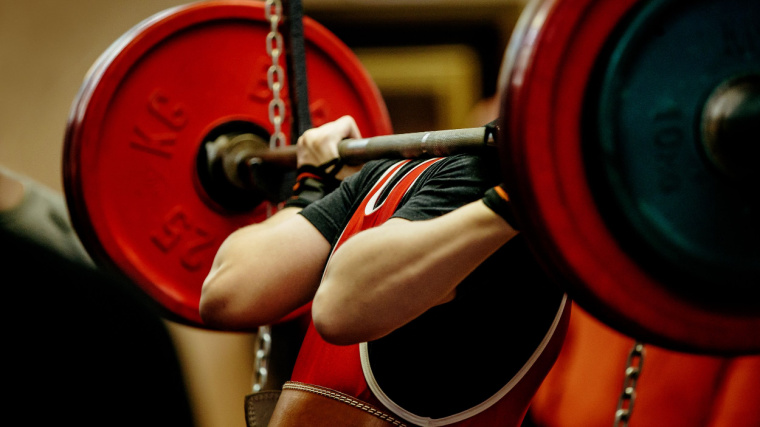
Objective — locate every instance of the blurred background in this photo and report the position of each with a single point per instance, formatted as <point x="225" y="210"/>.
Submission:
<point x="436" y="63"/>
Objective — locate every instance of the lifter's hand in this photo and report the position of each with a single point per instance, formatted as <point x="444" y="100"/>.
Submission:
<point x="319" y="145"/>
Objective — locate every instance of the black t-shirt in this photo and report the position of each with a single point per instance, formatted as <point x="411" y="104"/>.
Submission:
<point x="459" y="354"/>
<point x="445" y="186"/>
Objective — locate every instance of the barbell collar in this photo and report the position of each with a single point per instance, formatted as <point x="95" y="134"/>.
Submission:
<point x="730" y="128"/>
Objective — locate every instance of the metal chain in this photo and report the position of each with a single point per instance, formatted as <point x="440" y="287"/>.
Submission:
<point x="275" y="79"/>
<point x="261" y="360"/>
<point x="275" y="73"/>
<point x="632" y="372"/>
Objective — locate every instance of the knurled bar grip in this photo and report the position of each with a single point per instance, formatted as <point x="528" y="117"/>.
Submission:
<point x="413" y="145"/>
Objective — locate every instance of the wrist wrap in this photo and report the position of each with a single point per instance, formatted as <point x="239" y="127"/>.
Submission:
<point x="498" y="200"/>
<point x="313" y="183"/>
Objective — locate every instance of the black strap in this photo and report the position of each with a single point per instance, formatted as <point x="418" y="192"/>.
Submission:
<point x="295" y="53"/>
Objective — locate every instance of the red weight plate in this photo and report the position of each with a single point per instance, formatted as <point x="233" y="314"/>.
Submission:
<point x="141" y="116"/>
<point x="549" y="65"/>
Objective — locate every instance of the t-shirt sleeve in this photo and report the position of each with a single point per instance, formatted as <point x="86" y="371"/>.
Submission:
<point x="331" y="213"/>
<point x="446" y="186"/>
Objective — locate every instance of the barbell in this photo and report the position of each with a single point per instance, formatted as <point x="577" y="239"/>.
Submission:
<point x="627" y="137"/>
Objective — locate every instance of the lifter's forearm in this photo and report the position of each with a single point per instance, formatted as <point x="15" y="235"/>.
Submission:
<point x="384" y="277"/>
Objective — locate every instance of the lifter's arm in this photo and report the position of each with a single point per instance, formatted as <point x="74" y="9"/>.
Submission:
<point x="384" y="277"/>
<point x="264" y="271"/>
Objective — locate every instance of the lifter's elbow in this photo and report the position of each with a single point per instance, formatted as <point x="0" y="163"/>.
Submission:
<point x="332" y="329"/>
<point x="213" y="305"/>
<point x="217" y="305"/>
<point x="334" y="321"/>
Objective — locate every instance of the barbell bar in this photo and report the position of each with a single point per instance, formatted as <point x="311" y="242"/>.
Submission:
<point x="246" y="161"/>
<point x="730" y="125"/>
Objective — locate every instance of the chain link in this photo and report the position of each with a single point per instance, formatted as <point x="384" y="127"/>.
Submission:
<point x="632" y="372"/>
<point x="275" y="73"/>
<point x="261" y="360"/>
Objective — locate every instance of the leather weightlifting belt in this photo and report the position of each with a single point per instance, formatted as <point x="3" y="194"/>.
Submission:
<point x="310" y="405"/>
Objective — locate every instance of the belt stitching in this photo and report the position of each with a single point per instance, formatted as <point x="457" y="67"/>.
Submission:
<point x="342" y="398"/>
